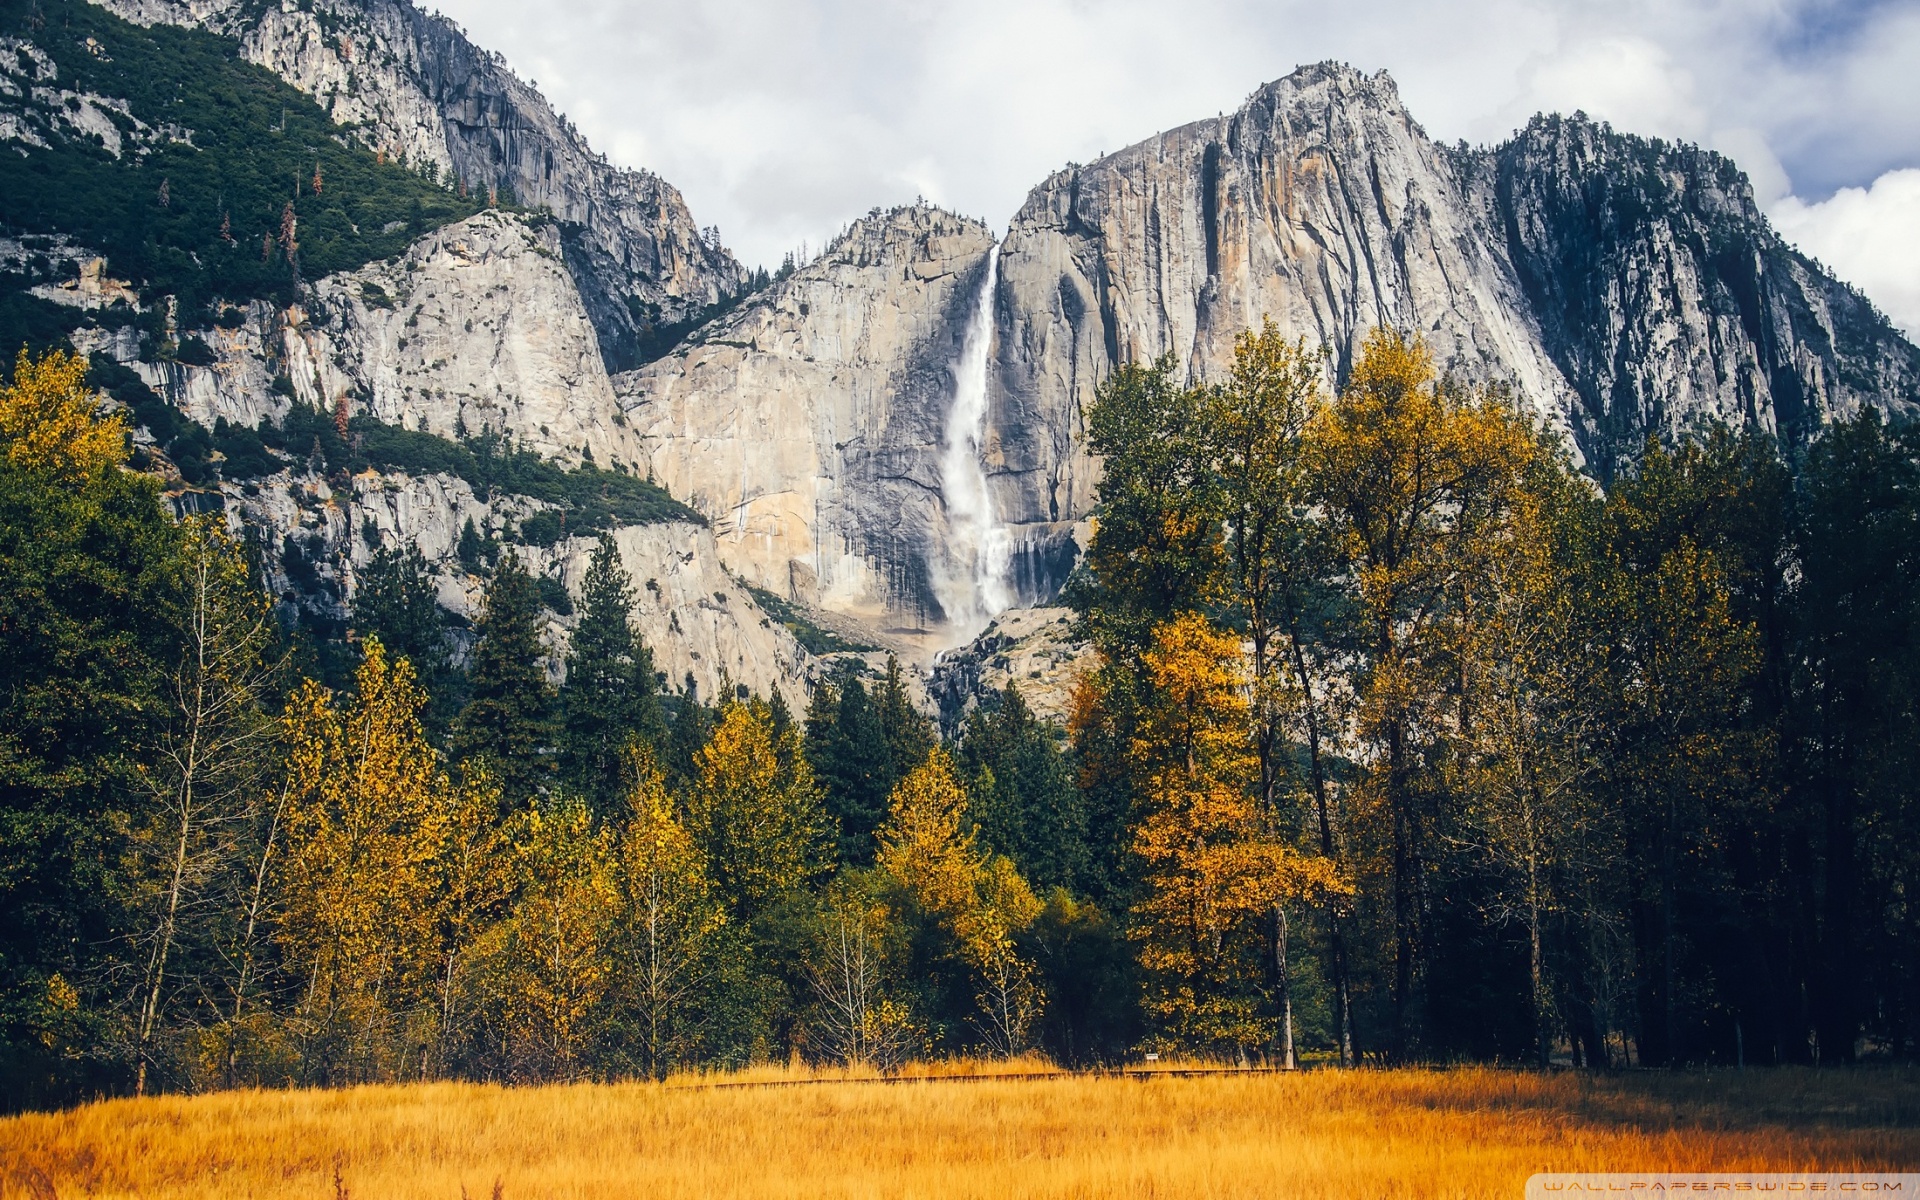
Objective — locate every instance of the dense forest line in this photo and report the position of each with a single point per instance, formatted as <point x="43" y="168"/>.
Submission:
<point x="1405" y="743"/>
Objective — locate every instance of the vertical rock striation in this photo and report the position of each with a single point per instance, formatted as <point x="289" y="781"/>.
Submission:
<point x="1665" y="298"/>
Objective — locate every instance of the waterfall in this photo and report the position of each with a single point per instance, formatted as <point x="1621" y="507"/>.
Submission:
<point x="972" y="585"/>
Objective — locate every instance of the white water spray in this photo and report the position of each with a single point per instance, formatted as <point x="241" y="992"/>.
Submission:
<point x="973" y="584"/>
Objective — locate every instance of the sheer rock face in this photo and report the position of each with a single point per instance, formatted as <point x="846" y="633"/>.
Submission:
<point x="1622" y="288"/>
<point x="807" y="426"/>
<point x="1667" y="301"/>
<point x="476" y="327"/>
<point x="418" y="90"/>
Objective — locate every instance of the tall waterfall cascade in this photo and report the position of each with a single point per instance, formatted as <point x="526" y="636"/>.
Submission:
<point x="972" y="582"/>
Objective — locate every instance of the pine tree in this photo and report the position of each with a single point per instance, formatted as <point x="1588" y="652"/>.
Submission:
<point x="508" y="721"/>
<point x="394" y="600"/>
<point x="906" y="732"/>
<point x="692" y="725"/>
<point x="1022" y="792"/>
<point x="860" y="747"/>
<point x="609" y="699"/>
<point x="844" y="748"/>
<point x="87" y="599"/>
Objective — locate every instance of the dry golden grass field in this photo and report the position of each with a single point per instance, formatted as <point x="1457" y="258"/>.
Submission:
<point x="1454" y="1133"/>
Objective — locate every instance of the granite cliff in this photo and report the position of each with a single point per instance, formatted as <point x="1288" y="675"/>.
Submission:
<point x="891" y="436"/>
<point x="808" y="425"/>
<point x="476" y="329"/>
<point x="1667" y="301"/>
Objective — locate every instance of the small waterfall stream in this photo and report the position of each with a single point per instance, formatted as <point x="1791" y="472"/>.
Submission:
<point x="972" y="583"/>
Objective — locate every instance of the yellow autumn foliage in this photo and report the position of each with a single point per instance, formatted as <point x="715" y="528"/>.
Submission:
<point x="755" y="809"/>
<point x="669" y="915"/>
<point x="1211" y="868"/>
<point x="557" y="943"/>
<point x="50" y="421"/>
<point x="364" y="824"/>
<point x="929" y="849"/>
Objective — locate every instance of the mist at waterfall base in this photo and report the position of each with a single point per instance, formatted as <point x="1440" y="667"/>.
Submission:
<point x="971" y="581"/>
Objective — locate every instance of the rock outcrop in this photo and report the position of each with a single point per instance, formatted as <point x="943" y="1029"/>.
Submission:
<point x="1033" y="649"/>
<point x="418" y="90"/>
<point x="476" y="328"/>
<point x="1667" y="301"/>
<point x="698" y="620"/>
<point x="807" y="426"/>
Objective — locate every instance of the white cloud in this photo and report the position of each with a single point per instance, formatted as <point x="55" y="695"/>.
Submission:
<point x="1631" y="82"/>
<point x="781" y="120"/>
<point x="1870" y="237"/>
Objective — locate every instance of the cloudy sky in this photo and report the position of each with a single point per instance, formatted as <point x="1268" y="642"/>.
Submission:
<point x="781" y="120"/>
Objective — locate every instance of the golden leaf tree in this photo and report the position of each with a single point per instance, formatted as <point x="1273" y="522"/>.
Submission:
<point x="1211" y="869"/>
<point x="756" y="811"/>
<point x="558" y="943"/>
<point x="669" y="916"/>
<point x="1524" y="757"/>
<point x="364" y="825"/>
<point x="473" y="880"/>
<point x="929" y="850"/>
<point x="50" y="422"/>
<point x="851" y="967"/>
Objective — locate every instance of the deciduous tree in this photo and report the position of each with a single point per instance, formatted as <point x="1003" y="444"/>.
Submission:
<point x="363" y="828"/>
<point x="669" y="916"/>
<point x="1210" y="868"/>
<point x="1417" y="478"/>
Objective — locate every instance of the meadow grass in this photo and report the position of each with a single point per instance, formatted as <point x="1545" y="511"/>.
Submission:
<point x="1470" y="1132"/>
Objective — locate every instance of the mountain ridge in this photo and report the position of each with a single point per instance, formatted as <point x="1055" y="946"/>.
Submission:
<point x="413" y="85"/>
<point x="808" y="422"/>
<point x="1323" y="204"/>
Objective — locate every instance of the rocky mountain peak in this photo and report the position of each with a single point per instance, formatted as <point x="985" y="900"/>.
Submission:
<point x="416" y="89"/>
<point x="908" y="235"/>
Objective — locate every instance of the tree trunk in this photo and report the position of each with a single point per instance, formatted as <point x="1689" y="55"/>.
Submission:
<point x="1403" y="900"/>
<point x="1536" y="968"/>
<point x="163" y="944"/>
<point x="1317" y="778"/>
<point x="1286" y="985"/>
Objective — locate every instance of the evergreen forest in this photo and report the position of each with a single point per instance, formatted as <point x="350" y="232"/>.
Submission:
<point x="1404" y="742"/>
